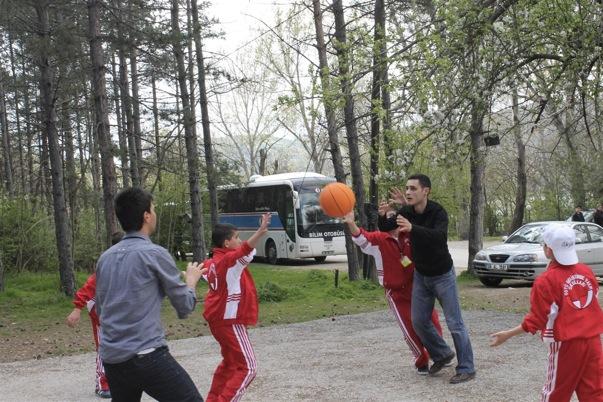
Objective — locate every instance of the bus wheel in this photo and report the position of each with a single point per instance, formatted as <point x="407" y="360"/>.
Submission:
<point x="322" y="258"/>
<point x="271" y="254"/>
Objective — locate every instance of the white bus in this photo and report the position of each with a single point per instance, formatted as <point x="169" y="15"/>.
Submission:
<point x="298" y="228"/>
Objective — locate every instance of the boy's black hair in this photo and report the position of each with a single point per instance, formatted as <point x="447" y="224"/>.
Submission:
<point x="221" y="233"/>
<point x="130" y="206"/>
<point x="423" y="179"/>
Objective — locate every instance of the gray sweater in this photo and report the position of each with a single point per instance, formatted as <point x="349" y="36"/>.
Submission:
<point x="132" y="278"/>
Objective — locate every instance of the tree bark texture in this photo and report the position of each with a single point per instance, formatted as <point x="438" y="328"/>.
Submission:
<point x="61" y="218"/>
<point x="522" y="180"/>
<point x="190" y="139"/>
<point x="332" y="129"/>
<point x="477" y="163"/>
<point x="101" y="126"/>
<point x="207" y="140"/>
<point x="126" y="102"/>
<point x="6" y="145"/>
<point x="123" y="144"/>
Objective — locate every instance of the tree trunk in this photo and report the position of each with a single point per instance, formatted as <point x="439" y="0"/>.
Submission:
<point x="61" y="219"/>
<point x="92" y="133"/>
<point x="348" y="109"/>
<point x="6" y="145"/>
<point x="575" y="165"/>
<point x="478" y="167"/>
<point x="343" y="57"/>
<point x="1" y="273"/>
<point x="156" y="128"/>
<point x="70" y="175"/>
<point x="119" y="118"/>
<point x="522" y="180"/>
<point x="29" y="135"/>
<point x="190" y="141"/>
<point x="81" y="145"/>
<point x="136" y="107"/>
<point x="45" y="180"/>
<point x="126" y="102"/>
<point x="102" y="119"/>
<point x="191" y="65"/>
<point x="207" y="141"/>
<point x="17" y="116"/>
<point x="328" y="103"/>
<point x="376" y="102"/>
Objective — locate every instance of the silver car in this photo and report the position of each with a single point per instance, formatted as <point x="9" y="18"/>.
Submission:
<point x="521" y="255"/>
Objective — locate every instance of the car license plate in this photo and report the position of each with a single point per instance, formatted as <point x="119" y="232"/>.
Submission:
<point x="327" y="252"/>
<point x="500" y="267"/>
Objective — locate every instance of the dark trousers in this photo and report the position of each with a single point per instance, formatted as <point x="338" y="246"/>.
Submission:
<point x="156" y="373"/>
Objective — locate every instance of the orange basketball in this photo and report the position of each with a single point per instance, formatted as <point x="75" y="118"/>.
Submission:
<point x="337" y="199"/>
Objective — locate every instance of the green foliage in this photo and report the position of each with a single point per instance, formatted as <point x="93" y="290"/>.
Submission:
<point x="271" y="292"/>
<point x="317" y="275"/>
<point x="466" y="277"/>
<point x="36" y="296"/>
<point x="26" y="236"/>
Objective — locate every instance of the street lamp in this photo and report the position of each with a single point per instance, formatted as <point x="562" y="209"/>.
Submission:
<point x="528" y="209"/>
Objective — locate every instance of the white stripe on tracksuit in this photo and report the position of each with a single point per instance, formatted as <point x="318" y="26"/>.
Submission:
<point x="245" y="345"/>
<point x="551" y="375"/>
<point x="100" y="369"/>
<point x="415" y="349"/>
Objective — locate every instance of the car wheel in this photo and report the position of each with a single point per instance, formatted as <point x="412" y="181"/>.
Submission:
<point x="320" y="259"/>
<point x="490" y="282"/>
<point x="271" y="254"/>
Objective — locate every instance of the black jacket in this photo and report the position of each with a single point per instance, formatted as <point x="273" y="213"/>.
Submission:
<point x="578" y="217"/>
<point x="598" y="218"/>
<point x="428" y="238"/>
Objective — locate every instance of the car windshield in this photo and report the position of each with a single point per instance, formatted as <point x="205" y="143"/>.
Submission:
<point x="527" y="234"/>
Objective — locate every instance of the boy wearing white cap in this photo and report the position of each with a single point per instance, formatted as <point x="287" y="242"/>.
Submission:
<point x="565" y="308"/>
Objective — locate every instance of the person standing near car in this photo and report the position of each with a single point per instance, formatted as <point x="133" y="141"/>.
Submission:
<point x="578" y="216"/>
<point x="565" y="309"/>
<point x="598" y="215"/>
<point x="434" y="278"/>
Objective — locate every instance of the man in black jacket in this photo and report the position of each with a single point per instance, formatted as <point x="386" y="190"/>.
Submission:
<point x="578" y="216"/>
<point x="434" y="277"/>
<point x="598" y="215"/>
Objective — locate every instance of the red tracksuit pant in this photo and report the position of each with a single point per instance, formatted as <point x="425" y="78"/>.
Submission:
<point x="238" y="367"/>
<point x="101" y="380"/>
<point x="574" y="365"/>
<point x="399" y="304"/>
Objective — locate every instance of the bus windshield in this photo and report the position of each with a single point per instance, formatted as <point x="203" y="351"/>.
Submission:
<point x="312" y="221"/>
<point x="311" y="212"/>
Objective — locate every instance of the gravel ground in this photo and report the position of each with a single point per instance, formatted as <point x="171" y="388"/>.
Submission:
<point x="353" y="358"/>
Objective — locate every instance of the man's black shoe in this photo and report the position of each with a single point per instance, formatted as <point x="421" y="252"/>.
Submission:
<point x="462" y="377"/>
<point x="423" y="370"/>
<point x="437" y="366"/>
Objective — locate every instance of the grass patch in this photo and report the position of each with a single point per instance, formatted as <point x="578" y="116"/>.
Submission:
<point x="33" y="309"/>
<point x="466" y="277"/>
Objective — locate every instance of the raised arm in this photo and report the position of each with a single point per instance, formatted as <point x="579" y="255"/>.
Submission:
<point x="348" y="219"/>
<point x="253" y="240"/>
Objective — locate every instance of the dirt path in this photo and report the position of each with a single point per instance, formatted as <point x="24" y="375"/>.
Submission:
<point x="358" y="358"/>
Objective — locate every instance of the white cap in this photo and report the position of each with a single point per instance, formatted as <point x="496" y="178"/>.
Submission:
<point x="562" y="240"/>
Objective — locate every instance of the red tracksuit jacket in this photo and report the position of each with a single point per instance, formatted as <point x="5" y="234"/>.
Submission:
<point x="232" y="297"/>
<point x="564" y="304"/>
<point x="85" y="296"/>
<point x="388" y="253"/>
